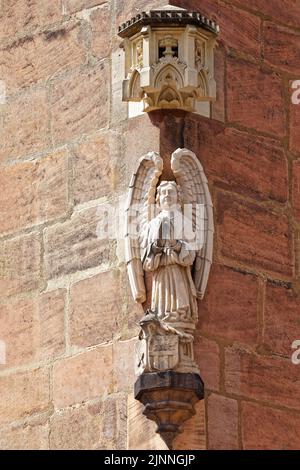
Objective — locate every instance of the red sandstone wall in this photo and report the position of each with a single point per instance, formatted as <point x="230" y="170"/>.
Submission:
<point x="250" y="152"/>
<point x="67" y="148"/>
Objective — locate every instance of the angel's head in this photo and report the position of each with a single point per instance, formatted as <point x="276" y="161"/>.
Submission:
<point x="167" y="196"/>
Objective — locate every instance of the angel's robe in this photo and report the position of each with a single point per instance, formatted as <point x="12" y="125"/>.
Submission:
<point x="170" y="259"/>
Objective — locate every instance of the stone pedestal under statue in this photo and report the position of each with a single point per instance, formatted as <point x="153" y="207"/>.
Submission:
<point x="169" y="399"/>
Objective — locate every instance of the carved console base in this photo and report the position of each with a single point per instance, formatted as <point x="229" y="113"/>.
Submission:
<point x="169" y="398"/>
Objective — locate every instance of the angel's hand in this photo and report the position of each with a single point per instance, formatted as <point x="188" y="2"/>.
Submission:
<point x="156" y="249"/>
<point x="160" y="243"/>
<point x="177" y="246"/>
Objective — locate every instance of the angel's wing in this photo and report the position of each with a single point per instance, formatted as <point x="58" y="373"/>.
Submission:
<point x="141" y="200"/>
<point x="190" y="177"/>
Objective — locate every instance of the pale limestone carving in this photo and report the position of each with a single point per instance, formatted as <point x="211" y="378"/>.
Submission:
<point x="174" y="66"/>
<point x="139" y="54"/>
<point x="169" y="234"/>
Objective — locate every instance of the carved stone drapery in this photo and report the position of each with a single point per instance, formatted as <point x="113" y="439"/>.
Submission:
<point x="169" y="234"/>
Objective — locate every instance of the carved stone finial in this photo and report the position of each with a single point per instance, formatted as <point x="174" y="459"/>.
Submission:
<point x="174" y="66"/>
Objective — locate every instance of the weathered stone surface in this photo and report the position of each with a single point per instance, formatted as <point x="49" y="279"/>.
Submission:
<point x="33" y="329"/>
<point x="33" y="436"/>
<point x="133" y="150"/>
<point x="26" y="122"/>
<point x="22" y="16"/>
<point x="272" y="379"/>
<point x="125" y="9"/>
<point x="208" y="7"/>
<point x="193" y="436"/>
<point x="80" y="103"/>
<point x="141" y="431"/>
<point x="269" y="429"/>
<point x="76" y="428"/>
<point x="75" y="246"/>
<point x="222" y="423"/>
<point x="133" y="311"/>
<point x="207" y="357"/>
<point x="284" y="11"/>
<point x="114" y="422"/>
<point x="230" y="20"/>
<point x="119" y="108"/>
<point x="101" y="27"/>
<point x="94" y="174"/>
<point x="281" y="319"/>
<point x="230" y="159"/>
<point x="124" y="357"/>
<point x="218" y="106"/>
<point x="294" y="127"/>
<point x="42" y="46"/>
<point x="20" y="273"/>
<point x="296" y="189"/>
<point x="232" y="314"/>
<point x="84" y="377"/>
<point x="254" y="236"/>
<point x="171" y="127"/>
<point x="51" y="323"/>
<point x="33" y="192"/>
<point x="96" y="309"/>
<point x="255" y="98"/>
<point x="72" y="6"/>
<point x="23" y="394"/>
<point x="281" y="47"/>
<point x="35" y="58"/>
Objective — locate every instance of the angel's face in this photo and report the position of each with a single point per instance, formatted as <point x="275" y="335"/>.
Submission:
<point x="168" y="197"/>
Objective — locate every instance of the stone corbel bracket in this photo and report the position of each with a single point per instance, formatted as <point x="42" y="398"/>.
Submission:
<point x="169" y="59"/>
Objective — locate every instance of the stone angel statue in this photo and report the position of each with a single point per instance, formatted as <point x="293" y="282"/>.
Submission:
<point x="169" y="234"/>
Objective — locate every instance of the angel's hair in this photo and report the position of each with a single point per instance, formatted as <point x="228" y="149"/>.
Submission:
<point x="168" y="183"/>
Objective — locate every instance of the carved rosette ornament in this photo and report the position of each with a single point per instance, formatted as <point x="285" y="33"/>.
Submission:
<point x="169" y="235"/>
<point x="169" y="61"/>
